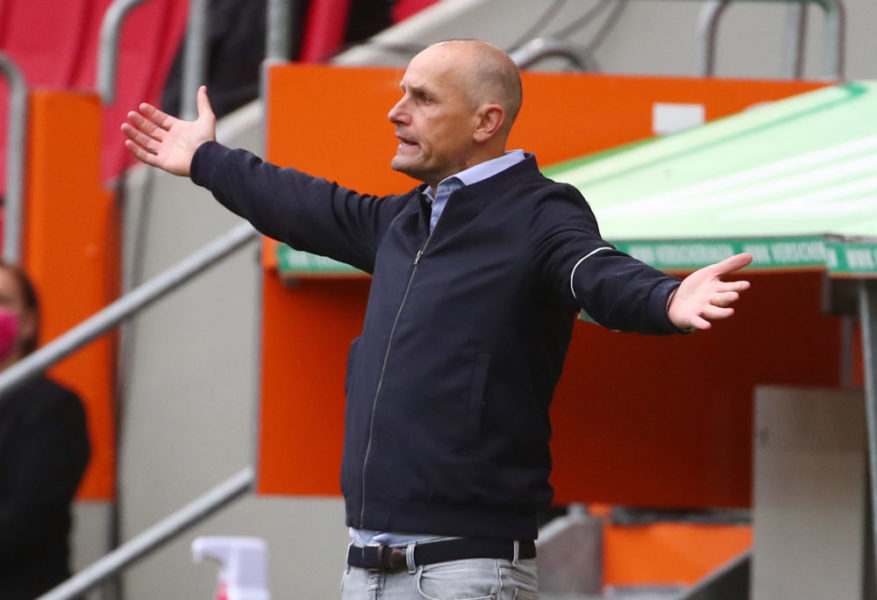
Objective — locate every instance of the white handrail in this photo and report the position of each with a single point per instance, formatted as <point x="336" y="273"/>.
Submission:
<point x="123" y="308"/>
<point x="169" y="527"/>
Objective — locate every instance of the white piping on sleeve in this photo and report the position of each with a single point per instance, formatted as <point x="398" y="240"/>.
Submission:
<point x="581" y="260"/>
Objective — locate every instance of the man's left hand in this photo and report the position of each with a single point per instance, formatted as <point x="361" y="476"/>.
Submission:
<point x="704" y="297"/>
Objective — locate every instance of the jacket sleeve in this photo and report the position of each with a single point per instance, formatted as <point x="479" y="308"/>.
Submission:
<point x="308" y="213"/>
<point x="614" y="289"/>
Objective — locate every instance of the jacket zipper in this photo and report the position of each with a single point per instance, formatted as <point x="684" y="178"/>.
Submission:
<point x="383" y="369"/>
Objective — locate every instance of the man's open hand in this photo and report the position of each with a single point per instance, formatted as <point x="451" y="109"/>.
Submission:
<point x="703" y="296"/>
<point x="163" y="141"/>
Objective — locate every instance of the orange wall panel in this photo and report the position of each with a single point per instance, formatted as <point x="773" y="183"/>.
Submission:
<point x="566" y="115"/>
<point x="637" y="420"/>
<point x="301" y="428"/>
<point x="71" y="251"/>
<point x="654" y="421"/>
<point x="332" y="123"/>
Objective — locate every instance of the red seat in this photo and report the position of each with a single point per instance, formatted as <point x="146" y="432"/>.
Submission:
<point x="55" y="44"/>
<point x="45" y="38"/>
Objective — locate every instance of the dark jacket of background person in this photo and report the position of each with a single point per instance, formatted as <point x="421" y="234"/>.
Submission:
<point x="464" y="337"/>
<point x="236" y="47"/>
<point x="44" y="450"/>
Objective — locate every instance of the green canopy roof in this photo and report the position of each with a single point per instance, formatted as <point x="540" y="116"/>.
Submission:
<point x="793" y="182"/>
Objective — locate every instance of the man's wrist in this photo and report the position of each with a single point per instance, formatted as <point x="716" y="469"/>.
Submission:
<point x="682" y="330"/>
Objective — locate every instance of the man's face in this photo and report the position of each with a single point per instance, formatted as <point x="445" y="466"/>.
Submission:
<point x="435" y="118"/>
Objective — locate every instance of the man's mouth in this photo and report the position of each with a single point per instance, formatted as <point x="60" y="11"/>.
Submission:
<point x="406" y="142"/>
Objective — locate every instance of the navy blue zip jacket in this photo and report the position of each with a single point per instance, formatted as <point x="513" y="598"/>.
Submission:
<point x="464" y="337"/>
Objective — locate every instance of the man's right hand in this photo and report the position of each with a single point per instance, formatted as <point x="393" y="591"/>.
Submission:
<point x="163" y="141"/>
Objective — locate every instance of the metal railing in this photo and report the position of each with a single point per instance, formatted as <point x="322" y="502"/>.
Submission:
<point x="15" y="154"/>
<point x="194" y="58"/>
<point x="163" y="531"/>
<point x="835" y="37"/>
<point x="123" y="308"/>
<point x="540" y="48"/>
<point x="108" y="47"/>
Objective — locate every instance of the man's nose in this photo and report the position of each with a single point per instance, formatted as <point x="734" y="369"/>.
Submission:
<point x="397" y="114"/>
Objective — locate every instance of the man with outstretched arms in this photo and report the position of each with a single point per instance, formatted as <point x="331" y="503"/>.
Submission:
<point x="478" y="274"/>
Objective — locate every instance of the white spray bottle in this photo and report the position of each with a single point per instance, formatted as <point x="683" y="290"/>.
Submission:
<point x="243" y="568"/>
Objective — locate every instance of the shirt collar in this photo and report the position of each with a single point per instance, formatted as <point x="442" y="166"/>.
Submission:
<point x="483" y="170"/>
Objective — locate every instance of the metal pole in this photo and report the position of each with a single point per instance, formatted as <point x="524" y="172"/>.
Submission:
<point x="15" y="153"/>
<point x="277" y="34"/>
<point x="278" y="50"/>
<point x="707" y="28"/>
<point x="835" y="38"/>
<point x="868" y="317"/>
<point x="126" y="306"/>
<point x="796" y="36"/>
<point x="194" y="59"/>
<point x="539" y="48"/>
<point x="155" y="536"/>
<point x="108" y="51"/>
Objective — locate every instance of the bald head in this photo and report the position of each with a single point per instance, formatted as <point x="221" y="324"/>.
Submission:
<point x="488" y="75"/>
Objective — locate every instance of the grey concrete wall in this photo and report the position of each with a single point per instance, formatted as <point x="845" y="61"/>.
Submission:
<point x="189" y="401"/>
<point x="91" y="523"/>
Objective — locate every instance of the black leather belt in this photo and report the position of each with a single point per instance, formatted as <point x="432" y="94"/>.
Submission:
<point x="389" y="558"/>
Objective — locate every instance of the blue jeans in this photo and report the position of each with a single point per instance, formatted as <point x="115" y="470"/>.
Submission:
<point x="470" y="579"/>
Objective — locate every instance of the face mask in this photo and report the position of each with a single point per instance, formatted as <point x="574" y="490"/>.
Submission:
<point x="8" y="333"/>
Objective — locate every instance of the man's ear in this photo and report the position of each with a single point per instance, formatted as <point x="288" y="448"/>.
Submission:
<point x="490" y="120"/>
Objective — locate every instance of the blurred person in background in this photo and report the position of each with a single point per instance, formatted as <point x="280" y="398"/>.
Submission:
<point x="236" y="46"/>
<point x="44" y="450"/>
